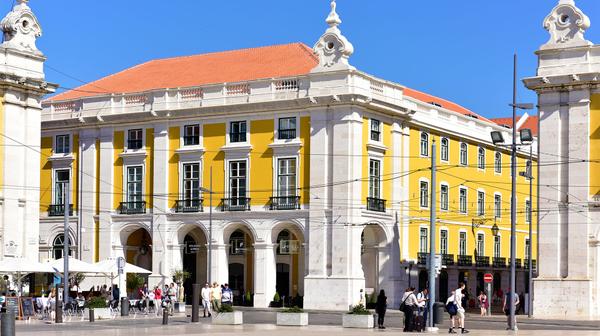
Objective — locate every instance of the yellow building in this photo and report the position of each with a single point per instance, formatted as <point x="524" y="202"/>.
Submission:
<point x="293" y="171"/>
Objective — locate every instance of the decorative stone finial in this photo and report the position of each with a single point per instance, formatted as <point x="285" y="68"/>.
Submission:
<point x="566" y="25"/>
<point x="333" y="48"/>
<point x="21" y="29"/>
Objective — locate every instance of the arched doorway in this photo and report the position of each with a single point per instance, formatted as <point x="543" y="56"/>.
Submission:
<point x="194" y="258"/>
<point x="289" y="263"/>
<point x="373" y="242"/>
<point x="497" y="282"/>
<point x="241" y="263"/>
<point x="58" y="246"/>
<point x="138" y="249"/>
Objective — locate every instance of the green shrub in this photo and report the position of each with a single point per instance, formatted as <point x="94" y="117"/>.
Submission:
<point x="248" y="297"/>
<point x="276" y="297"/>
<point x="97" y="302"/>
<point x="225" y="308"/>
<point x="294" y="309"/>
<point x="359" y="310"/>
<point x="373" y="298"/>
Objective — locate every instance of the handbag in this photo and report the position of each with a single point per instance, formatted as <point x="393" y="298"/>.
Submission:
<point x="403" y="304"/>
<point x="451" y="308"/>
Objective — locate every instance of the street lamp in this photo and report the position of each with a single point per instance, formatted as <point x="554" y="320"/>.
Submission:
<point x="495" y="230"/>
<point x="498" y="139"/>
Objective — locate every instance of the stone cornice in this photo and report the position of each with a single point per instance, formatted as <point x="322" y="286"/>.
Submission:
<point x="573" y="82"/>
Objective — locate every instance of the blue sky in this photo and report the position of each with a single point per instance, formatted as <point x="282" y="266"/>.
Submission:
<point x="458" y="50"/>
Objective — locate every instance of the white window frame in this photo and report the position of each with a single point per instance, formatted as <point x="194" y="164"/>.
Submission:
<point x="447" y="159"/>
<point x="426" y="148"/>
<point x="126" y="181"/>
<point x="421" y="181"/>
<point x="421" y="241"/>
<point x="54" y="170"/>
<point x="444" y="244"/>
<point x="70" y="143"/>
<point x="181" y="176"/>
<point x="126" y="144"/>
<point x="276" y="127"/>
<point x="276" y="174"/>
<point x="380" y="130"/>
<point x="466" y="247"/>
<point x="228" y="131"/>
<point x="447" y="203"/>
<point x="498" y="163"/>
<point x="480" y="252"/>
<point x="497" y="246"/>
<point x="227" y="173"/>
<point x="480" y="203"/>
<point x="497" y="209"/>
<point x="480" y="160"/>
<point x="182" y="134"/>
<point x="278" y="119"/>
<point x="466" y="208"/>
<point x="380" y="185"/>
<point x="460" y="154"/>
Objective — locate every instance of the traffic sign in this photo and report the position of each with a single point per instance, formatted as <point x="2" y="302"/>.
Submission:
<point x="121" y="264"/>
<point x="488" y="277"/>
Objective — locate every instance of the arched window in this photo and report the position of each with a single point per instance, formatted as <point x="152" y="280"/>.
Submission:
<point x="498" y="163"/>
<point x="481" y="158"/>
<point x="424" y="144"/>
<point x="444" y="149"/>
<point x="463" y="154"/>
<point x="58" y="246"/>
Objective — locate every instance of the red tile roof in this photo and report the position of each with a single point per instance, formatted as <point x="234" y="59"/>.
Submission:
<point x="427" y="98"/>
<point x="531" y="123"/>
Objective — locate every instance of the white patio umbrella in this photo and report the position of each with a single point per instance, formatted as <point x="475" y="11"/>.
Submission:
<point x="21" y="267"/>
<point x="75" y="266"/>
<point x="109" y="267"/>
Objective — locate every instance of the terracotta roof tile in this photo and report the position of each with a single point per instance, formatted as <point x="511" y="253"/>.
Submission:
<point x="427" y="98"/>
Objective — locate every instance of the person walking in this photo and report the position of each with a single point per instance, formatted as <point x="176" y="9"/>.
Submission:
<point x="216" y="297"/>
<point x="409" y="301"/>
<point x="460" y="310"/>
<point x="506" y="307"/>
<point x="451" y="308"/>
<point x="483" y="303"/>
<point x="157" y="299"/>
<point x="423" y="304"/>
<point x="171" y="298"/>
<point x="227" y="295"/>
<point x="205" y="294"/>
<point x="380" y="308"/>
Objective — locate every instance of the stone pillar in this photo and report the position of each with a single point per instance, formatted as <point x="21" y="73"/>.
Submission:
<point x="107" y="160"/>
<point x="265" y="273"/>
<point x="87" y="185"/>
<point x="220" y="263"/>
<point x="160" y="270"/>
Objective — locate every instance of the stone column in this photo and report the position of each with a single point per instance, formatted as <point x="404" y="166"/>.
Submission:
<point x="87" y="185"/>
<point x="106" y="194"/>
<point x="220" y="263"/>
<point x="265" y="273"/>
<point x="161" y="272"/>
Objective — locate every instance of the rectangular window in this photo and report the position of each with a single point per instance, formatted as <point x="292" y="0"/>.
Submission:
<point x="237" y="182"/>
<point x="286" y="177"/>
<point x="191" y="135"/>
<point x="444" y="241"/>
<point x="462" y="200"/>
<point x="62" y="144"/>
<point x="236" y="245"/>
<point x="423" y="240"/>
<point x="462" y="243"/>
<point x="444" y="149"/>
<point x="480" y="244"/>
<point x="481" y="158"/>
<point x="287" y="128"/>
<point x="527" y="248"/>
<point x="134" y="184"/>
<point x="498" y="206"/>
<point x="527" y="211"/>
<point x="424" y="144"/>
<point x="463" y="154"/>
<point x="444" y="197"/>
<point x="480" y="203"/>
<point x="498" y="163"/>
<point x="374" y="178"/>
<point x="61" y="178"/>
<point x="496" y="246"/>
<point x="191" y="181"/>
<point x="134" y="139"/>
<point x="424" y="194"/>
<point x="237" y="131"/>
<point x="375" y="130"/>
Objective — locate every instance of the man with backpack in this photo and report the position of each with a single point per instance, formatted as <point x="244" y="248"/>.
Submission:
<point x="409" y="303"/>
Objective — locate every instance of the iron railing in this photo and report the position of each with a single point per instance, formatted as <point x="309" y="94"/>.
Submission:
<point x="465" y="260"/>
<point x="286" y="134"/>
<point x="482" y="261"/>
<point x="189" y="205"/>
<point x="376" y="204"/>
<point x="132" y="208"/>
<point x="499" y="262"/>
<point x="285" y="203"/>
<point x="447" y="259"/>
<point x="235" y="204"/>
<point x="55" y="210"/>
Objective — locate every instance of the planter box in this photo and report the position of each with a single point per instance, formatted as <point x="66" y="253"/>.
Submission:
<point x="235" y="318"/>
<point x="358" y="321"/>
<point x="102" y="314"/>
<point x="179" y="307"/>
<point x="292" y="319"/>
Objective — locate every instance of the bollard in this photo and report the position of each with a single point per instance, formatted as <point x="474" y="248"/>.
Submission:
<point x="124" y="306"/>
<point x="92" y="316"/>
<point x="58" y="312"/>
<point x="165" y="316"/>
<point x="7" y="322"/>
<point x="195" y="303"/>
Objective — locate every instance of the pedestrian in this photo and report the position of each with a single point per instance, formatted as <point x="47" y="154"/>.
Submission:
<point x="506" y="308"/>
<point x="380" y="308"/>
<point x="451" y="308"/>
<point x="361" y="298"/>
<point x="423" y="303"/>
<point x="409" y="301"/>
<point x="157" y="299"/>
<point x="205" y="294"/>
<point x="116" y="295"/>
<point x="216" y="297"/>
<point x="171" y="297"/>
<point x="483" y="303"/>
<point x="227" y="295"/>
<point x="460" y="310"/>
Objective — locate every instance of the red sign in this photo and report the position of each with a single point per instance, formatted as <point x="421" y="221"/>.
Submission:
<point x="488" y="277"/>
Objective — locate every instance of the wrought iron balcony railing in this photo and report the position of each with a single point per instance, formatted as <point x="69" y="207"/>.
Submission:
<point x="189" y="205"/>
<point x="132" y="208"/>
<point x="376" y="204"/>
<point x="422" y="258"/>
<point x="447" y="259"/>
<point x="465" y="260"/>
<point x="55" y="210"/>
<point x="482" y="261"/>
<point x="285" y="203"/>
<point x="518" y="263"/>
<point x="235" y="204"/>
<point x="499" y="262"/>
<point x="286" y="134"/>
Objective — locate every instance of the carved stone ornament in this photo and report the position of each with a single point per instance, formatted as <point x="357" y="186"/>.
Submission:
<point x="21" y="28"/>
<point x="333" y="49"/>
<point x="566" y="25"/>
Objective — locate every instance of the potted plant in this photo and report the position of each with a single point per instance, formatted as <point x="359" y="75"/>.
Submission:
<point x="276" y="303"/>
<point x="371" y="301"/>
<point x="99" y="308"/>
<point x="179" y="277"/>
<point x="134" y="281"/>
<point x="292" y="317"/>
<point x="227" y="316"/>
<point x="248" y="299"/>
<point x="358" y="317"/>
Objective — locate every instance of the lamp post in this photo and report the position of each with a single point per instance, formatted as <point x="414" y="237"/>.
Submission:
<point x="498" y="139"/>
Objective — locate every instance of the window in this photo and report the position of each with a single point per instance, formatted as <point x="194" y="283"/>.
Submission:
<point x="191" y="135"/>
<point x="462" y="200"/>
<point x="62" y="145"/>
<point x="498" y="163"/>
<point x="286" y="177"/>
<point x="480" y="244"/>
<point x="424" y="144"/>
<point x="496" y="246"/>
<point x="526" y="248"/>
<point x="237" y="131"/>
<point x="462" y="243"/>
<point x="423" y="240"/>
<point x="481" y="158"/>
<point x="444" y="197"/>
<point x="58" y="246"/>
<point x="527" y="211"/>
<point x="480" y="203"/>
<point x="134" y="139"/>
<point x="237" y="243"/>
<point x="237" y="182"/>
<point x="424" y="194"/>
<point x="444" y="241"/>
<point x="375" y="130"/>
<point x="191" y="181"/>
<point x="463" y="154"/>
<point x="374" y="178"/>
<point x="134" y="184"/>
<point x="497" y="206"/>
<point x="61" y="178"/>
<point x="444" y="149"/>
<point x="287" y="128"/>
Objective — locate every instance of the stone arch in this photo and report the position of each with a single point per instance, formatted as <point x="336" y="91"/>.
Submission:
<point x="233" y="226"/>
<point x="291" y="225"/>
<point x="289" y="253"/>
<point x="374" y="243"/>
<point x="136" y="240"/>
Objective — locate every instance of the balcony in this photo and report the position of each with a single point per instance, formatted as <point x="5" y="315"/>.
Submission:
<point x="132" y="208"/>
<point x="465" y="260"/>
<point x="518" y="263"/>
<point x="56" y="210"/>
<point x="533" y="264"/>
<point x="286" y="134"/>
<point x="375" y="204"/>
<point x="482" y="261"/>
<point x="285" y="203"/>
<point x="447" y="259"/>
<point x="422" y="258"/>
<point x="235" y="204"/>
<point x="499" y="262"/>
<point x="189" y="205"/>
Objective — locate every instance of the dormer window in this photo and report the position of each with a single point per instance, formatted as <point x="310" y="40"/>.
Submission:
<point x="62" y="144"/>
<point x="134" y="139"/>
<point x="375" y="130"/>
